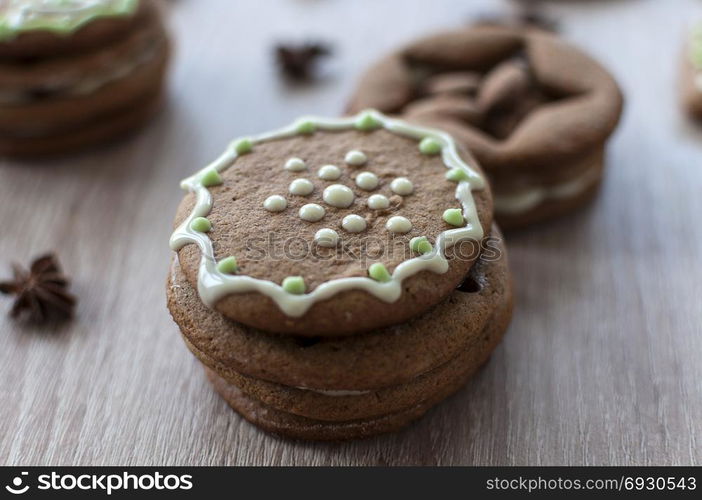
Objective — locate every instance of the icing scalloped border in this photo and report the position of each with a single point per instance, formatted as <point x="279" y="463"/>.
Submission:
<point x="18" y="17"/>
<point x="213" y="285"/>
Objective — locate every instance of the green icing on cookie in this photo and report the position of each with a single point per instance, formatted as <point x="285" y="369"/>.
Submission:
<point x="379" y="272"/>
<point x="211" y="178"/>
<point x="367" y="122"/>
<point x="306" y="127"/>
<point x="696" y="47"/>
<point x="454" y="216"/>
<point x="295" y="285"/>
<point x="201" y="225"/>
<point x="62" y="17"/>
<point x="228" y="265"/>
<point x="420" y="244"/>
<point x="457" y="175"/>
<point x="243" y="146"/>
<point x="429" y="146"/>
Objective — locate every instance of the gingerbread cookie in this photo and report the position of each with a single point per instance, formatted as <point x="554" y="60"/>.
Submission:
<point x="339" y="277"/>
<point x="355" y="386"/>
<point x="77" y="72"/>
<point x="535" y="111"/>
<point x="692" y="74"/>
<point x="331" y="227"/>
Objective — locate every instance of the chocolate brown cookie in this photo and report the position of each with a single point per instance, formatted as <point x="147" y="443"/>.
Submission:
<point x="332" y="227"/>
<point x="354" y="386"/>
<point x="77" y="73"/>
<point x="692" y="74"/>
<point x="535" y="111"/>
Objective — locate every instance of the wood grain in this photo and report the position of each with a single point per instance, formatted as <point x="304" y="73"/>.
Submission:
<point x="601" y="365"/>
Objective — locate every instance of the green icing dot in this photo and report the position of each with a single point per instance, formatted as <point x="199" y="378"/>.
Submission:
<point x="429" y="146"/>
<point x="454" y="216"/>
<point x="201" y="225"/>
<point x="243" y="146"/>
<point x="306" y="127"/>
<point x="211" y="178"/>
<point x="420" y="244"/>
<point x="379" y="272"/>
<point x="696" y="47"/>
<point x="457" y="175"/>
<point x="294" y="284"/>
<point x="367" y="122"/>
<point x="228" y="265"/>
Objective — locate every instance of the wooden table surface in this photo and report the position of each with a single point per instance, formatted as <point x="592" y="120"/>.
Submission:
<point x="602" y="364"/>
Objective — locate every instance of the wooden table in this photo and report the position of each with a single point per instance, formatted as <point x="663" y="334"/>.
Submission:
<point x="602" y="364"/>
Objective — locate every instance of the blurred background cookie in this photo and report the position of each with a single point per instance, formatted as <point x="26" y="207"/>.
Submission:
<point x="78" y="72"/>
<point x="534" y="110"/>
<point x="692" y="74"/>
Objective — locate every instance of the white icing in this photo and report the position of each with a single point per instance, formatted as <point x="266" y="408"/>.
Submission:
<point x="378" y="202"/>
<point x="312" y="212"/>
<point x="63" y="16"/>
<point x="356" y="158"/>
<point x="520" y="202"/>
<point x="295" y="165"/>
<point x="301" y="187"/>
<point x="367" y="181"/>
<point x="354" y="223"/>
<point x="213" y="285"/>
<point x="329" y="172"/>
<point x="338" y="195"/>
<point x="402" y="186"/>
<point x="398" y="224"/>
<point x="275" y="203"/>
<point x="326" y="238"/>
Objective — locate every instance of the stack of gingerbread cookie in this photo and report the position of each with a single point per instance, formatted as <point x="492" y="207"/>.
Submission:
<point x="77" y="72"/>
<point x="535" y="111"/>
<point x="692" y="74"/>
<point x="339" y="277"/>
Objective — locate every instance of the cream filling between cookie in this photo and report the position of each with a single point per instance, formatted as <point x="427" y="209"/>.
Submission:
<point x="334" y="393"/>
<point x="87" y="86"/>
<point x="527" y="199"/>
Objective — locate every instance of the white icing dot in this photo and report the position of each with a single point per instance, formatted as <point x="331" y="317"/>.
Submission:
<point x="326" y="238"/>
<point x="301" y="187"/>
<point x="398" y="224"/>
<point x="275" y="203"/>
<point x="402" y="186"/>
<point x="312" y="212"/>
<point x="378" y="202"/>
<point x="367" y="181"/>
<point x="338" y="196"/>
<point x="354" y="223"/>
<point x="356" y="158"/>
<point x="295" y="165"/>
<point x="329" y="172"/>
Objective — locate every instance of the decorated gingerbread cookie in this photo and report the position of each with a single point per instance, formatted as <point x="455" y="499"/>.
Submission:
<point x="692" y="74"/>
<point x="77" y="72"/>
<point x="332" y="227"/>
<point x="535" y="111"/>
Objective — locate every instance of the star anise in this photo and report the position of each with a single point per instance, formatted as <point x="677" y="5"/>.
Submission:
<point x="41" y="293"/>
<point x="299" y="62"/>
